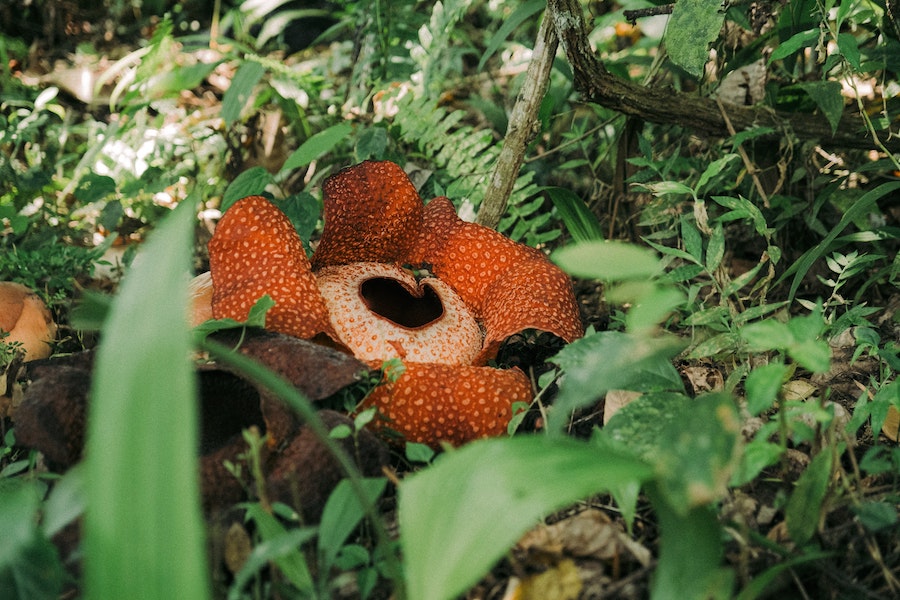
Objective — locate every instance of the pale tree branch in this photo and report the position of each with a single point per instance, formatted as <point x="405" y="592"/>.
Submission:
<point x="523" y="126"/>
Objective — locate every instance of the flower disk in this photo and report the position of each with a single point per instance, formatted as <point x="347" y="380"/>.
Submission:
<point x="380" y="312"/>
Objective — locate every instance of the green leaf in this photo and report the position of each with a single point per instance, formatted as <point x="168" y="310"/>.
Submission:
<point x="30" y="568"/>
<point x="142" y="528"/>
<point x="256" y="317"/>
<point x="693" y="26"/>
<point x="715" y="249"/>
<point x="66" y="501"/>
<point x="303" y="210"/>
<point x="762" y="386"/>
<point x="805" y="505"/>
<point x="93" y="187"/>
<point x="693" y="242"/>
<point x="849" y="49"/>
<point x="237" y="95"/>
<point x="794" y="43"/>
<point x="827" y="96"/>
<point x="876" y="516"/>
<point x="608" y="261"/>
<point x="769" y="334"/>
<point x="316" y="146"/>
<point x="251" y="182"/>
<point x="713" y="169"/>
<point x="288" y="557"/>
<point x="690" y="554"/>
<point x="860" y="207"/>
<point x="371" y="144"/>
<point x="758" y="454"/>
<point x="275" y="548"/>
<point x="701" y="449"/>
<point x="610" y="360"/>
<point x="639" y="425"/>
<point x="521" y="14"/>
<point x="341" y="515"/>
<point x="582" y="224"/>
<point x="450" y="540"/>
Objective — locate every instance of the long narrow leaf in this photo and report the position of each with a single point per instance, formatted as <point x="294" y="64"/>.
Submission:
<point x="143" y="530"/>
<point x="459" y="516"/>
<point x="860" y="207"/>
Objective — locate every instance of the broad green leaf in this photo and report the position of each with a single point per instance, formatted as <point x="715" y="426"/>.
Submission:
<point x="769" y="334"/>
<point x="303" y="210"/>
<point x="237" y="95"/>
<point x="690" y="553"/>
<point x="694" y="25"/>
<point x="143" y="533"/>
<point x="638" y="426"/>
<point x="316" y="146"/>
<point x="273" y="549"/>
<point x="700" y="450"/>
<point x="371" y="144"/>
<point x="651" y="309"/>
<point x="341" y="515"/>
<point x="717" y="344"/>
<point x="794" y="43"/>
<point x="714" y="168"/>
<point x="94" y="187"/>
<point x="746" y="209"/>
<point x="762" y="386"/>
<point x="849" y="50"/>
<point x="290" y="559"/>
<point x="715" y="248"/>
<point x="758" y="454"/>
<point x="66" y="501"/>
<point x="251" y="182"/>
<point x="462" y="514"/>
<point x="827" y="96"/>
<point x="693" y="242"/>
<point x="521" y="14"/>
<point x="608" y="261"/>
<point x="256" y="317"/>
<point x="582" y="224"/>
<point x="610" y="360"/>
<point x="805" y="504"/>
<point x="30" y="568"/>
<point x="876" y="516"/>
<point x="861" y="207"/>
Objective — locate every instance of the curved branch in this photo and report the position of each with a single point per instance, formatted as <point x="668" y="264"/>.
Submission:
<point x="666" y="106"/>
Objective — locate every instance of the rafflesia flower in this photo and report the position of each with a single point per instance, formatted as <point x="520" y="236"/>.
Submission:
<point x="359" y="290"/>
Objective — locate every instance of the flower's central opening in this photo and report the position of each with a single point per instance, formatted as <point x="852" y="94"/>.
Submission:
<point x="388" y="298"/>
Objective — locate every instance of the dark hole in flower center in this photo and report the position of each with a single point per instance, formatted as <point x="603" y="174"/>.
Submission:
<point x="388" y="298"/>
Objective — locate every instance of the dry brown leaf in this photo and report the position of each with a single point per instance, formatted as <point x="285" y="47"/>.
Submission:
<point x="891" y="427"/>
<point x="702" y="379"/>
<point x="237" y="547"/>
<point x="561" y="582"/>
<point x="615" y="400"/>
<point x="798" y="389"/>
<point x="590" y="533"/>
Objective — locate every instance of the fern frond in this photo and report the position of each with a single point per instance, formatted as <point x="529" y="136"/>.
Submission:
<point x="468" y="155"/>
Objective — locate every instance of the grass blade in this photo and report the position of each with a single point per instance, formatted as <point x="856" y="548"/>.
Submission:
<point x="143" y="529"/>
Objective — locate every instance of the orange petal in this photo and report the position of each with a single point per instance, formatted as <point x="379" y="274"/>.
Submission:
<point x="256" y="251"/>
<point x="380" y="311"/>
<point x="508" y="285"/>
<point x="432" y="403"/>
<point x="372" y="214"/>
